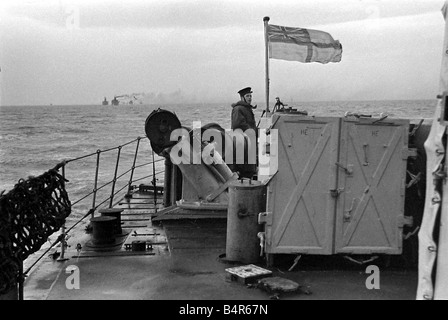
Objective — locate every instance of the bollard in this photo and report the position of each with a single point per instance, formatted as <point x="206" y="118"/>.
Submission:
<point x="113" y="212"/>
<point x="103" y="229"/>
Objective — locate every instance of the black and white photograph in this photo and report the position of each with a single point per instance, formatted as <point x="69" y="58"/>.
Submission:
<point x="223" y="158"/>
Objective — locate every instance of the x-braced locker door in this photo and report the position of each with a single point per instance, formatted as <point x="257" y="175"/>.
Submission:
<point x="372" y="165"/>
<point x="300" y="205"/>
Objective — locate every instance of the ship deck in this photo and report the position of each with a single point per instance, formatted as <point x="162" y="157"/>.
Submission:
<point x="183" y="261"/>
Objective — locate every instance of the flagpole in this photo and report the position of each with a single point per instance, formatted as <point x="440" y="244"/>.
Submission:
<point x="266" y="20"/>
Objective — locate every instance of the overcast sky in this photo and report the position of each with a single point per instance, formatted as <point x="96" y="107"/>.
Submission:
<point x="78" y="52"/>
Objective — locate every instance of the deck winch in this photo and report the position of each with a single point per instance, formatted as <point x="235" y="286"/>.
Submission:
<point x="205" y="174"/>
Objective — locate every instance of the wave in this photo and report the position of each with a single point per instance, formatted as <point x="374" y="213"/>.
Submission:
<point x="12" y="137"/>
<point x="77" y="130"/>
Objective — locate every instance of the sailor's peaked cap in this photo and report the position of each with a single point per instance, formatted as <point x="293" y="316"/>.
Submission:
<point x="244" y="91"/>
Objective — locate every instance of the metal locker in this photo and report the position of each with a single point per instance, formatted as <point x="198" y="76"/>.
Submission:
<point x="300" y="203"/>
<point x="372" y="176"/>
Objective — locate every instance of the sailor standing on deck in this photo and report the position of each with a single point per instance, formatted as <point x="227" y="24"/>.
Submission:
<point x="243" y="118"/>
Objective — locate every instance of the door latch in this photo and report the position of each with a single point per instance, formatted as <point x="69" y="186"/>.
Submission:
<point x="348" y="170"/>
<point x="348" y="213"/>
<point x="336" y="192"/>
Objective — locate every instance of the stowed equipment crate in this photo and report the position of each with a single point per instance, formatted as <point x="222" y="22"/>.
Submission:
<point x="340" y="186"/>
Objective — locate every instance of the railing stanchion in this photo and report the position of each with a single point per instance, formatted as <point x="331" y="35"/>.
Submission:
<point x="115" y="178"/>
<point x="63" y="234"/>
<point x="98" y="152"/>
<point x="21" y="281"/>
<point x="133" y="167"/>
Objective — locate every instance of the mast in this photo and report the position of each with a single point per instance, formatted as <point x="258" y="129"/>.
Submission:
<point x="266" y="20"/>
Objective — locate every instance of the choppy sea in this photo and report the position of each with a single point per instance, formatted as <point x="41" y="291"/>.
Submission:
<point x="34" y="139"/>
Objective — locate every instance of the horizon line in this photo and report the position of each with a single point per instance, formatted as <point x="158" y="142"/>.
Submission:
<point x="219" y="102"/>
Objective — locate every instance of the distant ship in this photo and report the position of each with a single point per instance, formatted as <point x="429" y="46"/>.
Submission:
<point x="115" y="101"/>
<point x="105" y="102"/>
<point x="124" y="99"/>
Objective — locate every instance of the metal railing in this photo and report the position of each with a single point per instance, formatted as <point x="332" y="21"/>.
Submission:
<point x="115" y="190"/>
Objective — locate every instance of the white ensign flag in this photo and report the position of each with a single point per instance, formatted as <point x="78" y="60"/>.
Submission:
<point x="303" y="45"/>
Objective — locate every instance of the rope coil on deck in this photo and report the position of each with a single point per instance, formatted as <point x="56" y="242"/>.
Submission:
<point x="33" y="210"/>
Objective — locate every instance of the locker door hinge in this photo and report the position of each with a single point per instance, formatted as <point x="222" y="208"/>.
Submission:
<point x="405" y="221"/>
<point x="409" y="153"/>
<point x="265" y="217"/>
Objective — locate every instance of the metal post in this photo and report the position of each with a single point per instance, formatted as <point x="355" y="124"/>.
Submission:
<point x="167" y="183"/>
<point x="174" y="182"/>
<point x="177" y="184"/>
<point x="266" y="41"/>
<point x="115" y="178"/>
<point x="63" y="234"/>
<point x="154" y="181"/>
<point x="98" y="152"/>
<point x="133" y="167"/>
<point x="63" y="244"/>
<point x="21" y="280"/>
